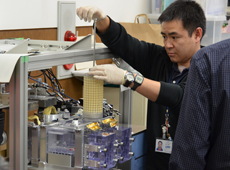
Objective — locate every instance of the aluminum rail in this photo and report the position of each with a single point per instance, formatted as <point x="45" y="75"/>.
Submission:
<point x="47" y="60"/>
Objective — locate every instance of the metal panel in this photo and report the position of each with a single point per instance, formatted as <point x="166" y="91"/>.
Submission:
<point x="92" y="163"/>
<point x="32" y="105"/>
<point x="35" y="146"/>
<point x="125" y="106"/>
<point x="82" y="44"/>
<point x="79" y="142"/>
<point x="19" y="49"/>
<point x="44" y="101"/>
<point x="43" y="145"/>
<point x="61" y="160"/>
<point x="91" y="148"/>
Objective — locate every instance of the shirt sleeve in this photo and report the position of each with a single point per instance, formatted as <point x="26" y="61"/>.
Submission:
<point x="171" y="95"/>
<point x="136" y="53"/>
<point x="191" y="142"/>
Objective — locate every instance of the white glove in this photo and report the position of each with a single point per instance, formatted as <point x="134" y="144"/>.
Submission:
<point x="109" y="73"/>
<point x="90" y="12"/>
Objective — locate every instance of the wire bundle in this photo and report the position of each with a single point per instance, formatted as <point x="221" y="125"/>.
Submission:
<point x="55" y="84"/>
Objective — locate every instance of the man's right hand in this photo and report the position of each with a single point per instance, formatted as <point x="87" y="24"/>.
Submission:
<point x="89" y="13"/>
<point x="109" y="73"/>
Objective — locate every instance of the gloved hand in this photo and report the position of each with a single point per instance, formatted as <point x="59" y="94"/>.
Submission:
<point x="109" y="73"/>
<point x="90" y="12"/>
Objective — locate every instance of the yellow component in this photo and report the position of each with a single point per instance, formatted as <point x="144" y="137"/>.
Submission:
<point x="49" y="110"/>
<point x="34" y="117"/>
<point x="112" y="124"/>
<point x="109" y="120"/>
<point x="96" y="127"/>
<point x="93" y="98"/>
<point x="92" y="125"/>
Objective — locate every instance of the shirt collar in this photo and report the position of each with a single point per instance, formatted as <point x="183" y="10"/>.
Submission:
<point x="175" y="68"/>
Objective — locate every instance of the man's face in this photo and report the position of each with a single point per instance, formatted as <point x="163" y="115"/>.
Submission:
<point x="179" y="46"/>
<point x="159" y="145"/>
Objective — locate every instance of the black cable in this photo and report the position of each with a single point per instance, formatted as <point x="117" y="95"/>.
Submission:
<point x="44" y="72"/>
<point x="35" y="76"/>
<point x="57" y="81"/>
<point x="55" y="94"/>
<point x="53" y="80"/>
<point x="44" y="76"/>
<point x="48" y="75"/>
<point x="52" y="76"/>
<point x="48" y="93"/>
<point x="54" y="85"/>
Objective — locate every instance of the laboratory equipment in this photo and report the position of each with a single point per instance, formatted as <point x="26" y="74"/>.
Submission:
<point x="41" y="154"/>
<point x="91" y="141"/>
<point x="85" y="145"/>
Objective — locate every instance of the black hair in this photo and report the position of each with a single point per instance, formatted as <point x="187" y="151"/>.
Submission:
<point x="160" y="142"/>
<point x="189" y="12"/>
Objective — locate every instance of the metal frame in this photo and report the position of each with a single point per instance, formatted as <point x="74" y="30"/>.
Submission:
<point x="126" y="106"/>
<point x="18" y="128"/>
<point x="44" y="61"/>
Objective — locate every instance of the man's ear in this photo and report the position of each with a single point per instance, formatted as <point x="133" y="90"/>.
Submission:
<point x="198" y="34"/>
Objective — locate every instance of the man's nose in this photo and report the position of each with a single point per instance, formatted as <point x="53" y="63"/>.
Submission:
<point x="168" y="43"/>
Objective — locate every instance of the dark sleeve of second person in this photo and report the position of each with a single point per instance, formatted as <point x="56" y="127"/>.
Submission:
<point x="191" y="142"/>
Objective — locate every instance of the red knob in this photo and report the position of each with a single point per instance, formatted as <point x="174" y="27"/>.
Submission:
<point x="68" y="66"/>
<point x="69" y="36"/>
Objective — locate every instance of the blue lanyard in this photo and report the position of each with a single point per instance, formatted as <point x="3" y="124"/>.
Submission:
<point x="166" y="125"/>
<point x="167" y="109"/>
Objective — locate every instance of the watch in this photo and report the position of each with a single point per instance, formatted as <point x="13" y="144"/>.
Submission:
<point x="138" y="80"/>
<point x="129" y="78"/>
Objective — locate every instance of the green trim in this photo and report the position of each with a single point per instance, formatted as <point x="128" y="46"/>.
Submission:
<point x="25" y="59"/>
<point x="20" y="38"/>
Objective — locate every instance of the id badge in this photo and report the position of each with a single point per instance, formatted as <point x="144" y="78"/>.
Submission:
<point x="163" y="146"/>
